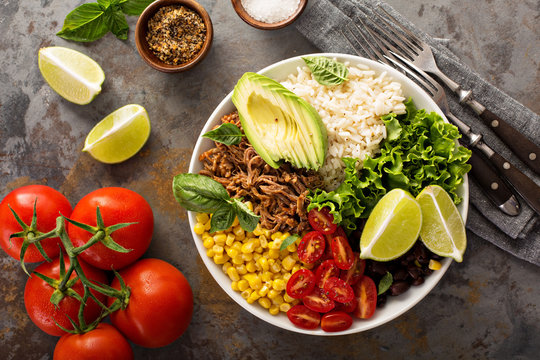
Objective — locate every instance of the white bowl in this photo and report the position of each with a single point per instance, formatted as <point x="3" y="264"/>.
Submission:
<point x="395" y="306"/>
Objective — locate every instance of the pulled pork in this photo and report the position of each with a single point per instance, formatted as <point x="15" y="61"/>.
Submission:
<point x="278" y="195"/>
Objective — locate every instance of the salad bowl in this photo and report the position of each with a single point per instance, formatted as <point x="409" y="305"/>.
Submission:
<point x="396" y="305"/>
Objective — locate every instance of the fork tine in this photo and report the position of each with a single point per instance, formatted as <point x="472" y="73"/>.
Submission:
<point x="413" y="39"/>
<point x="434" y="84"/>
<point x="374" y="49"/>
<point x="427" y="82"/>
<point x="404" y="45"/>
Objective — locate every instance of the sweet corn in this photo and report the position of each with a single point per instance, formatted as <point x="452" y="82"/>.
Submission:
<point x="235" y="222"/>
<point x="272" y="293"/>
<point x="254" y="281"/>
<point x="277" y="300"/>
<point x="221" y="259"/>
<point x="218" y="249"/>
<point x="230" y="239"/>
<point x="226" y="266"/>
<point x="199" y="228"/>
<point x="287" y="298"/>
<point x="251" y="267"/>
<point x="263" y="263"/>
<point x="243" y="285"/>
<point x="220" y="239"/>
<point x="241" y="269"/>
<point x="284" y="307"/>
<point x="265" y="302"/>
<point x="288" y="263"/>
<point x="265" y="288"/>
<point x="279" y="285"/>
<point x="210" y="253"/>
<point x="274" y="310"/>
<point x="246" y="293"/>
<point x="273" y="253"/>
<point x="267" y="276"/>
<point x="434" y="265"/>
<point x="233" y="273"/>
<point x="202" y="218"/>
<point x="247" y="257"/>
<point x="208" y="242"/>
<point x="254" y="296"/>
<point x="234" y="286"/>
<point x="239" y="232"/>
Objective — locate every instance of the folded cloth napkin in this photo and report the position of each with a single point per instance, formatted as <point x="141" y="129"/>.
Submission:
<point x="325" y="21"/>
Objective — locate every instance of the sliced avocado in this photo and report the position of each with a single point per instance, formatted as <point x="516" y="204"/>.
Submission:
<point x="280" y="125"/>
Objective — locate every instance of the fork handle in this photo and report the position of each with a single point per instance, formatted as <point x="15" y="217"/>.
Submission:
<point x="529" y="191"/>
<point x="525" y="149"/>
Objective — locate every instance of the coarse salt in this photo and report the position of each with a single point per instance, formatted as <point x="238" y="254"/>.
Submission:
<point x="270" y="11"/>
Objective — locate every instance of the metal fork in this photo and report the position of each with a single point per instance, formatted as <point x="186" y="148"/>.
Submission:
<point x="378" y="48"/>
<point x="419" y="53"/>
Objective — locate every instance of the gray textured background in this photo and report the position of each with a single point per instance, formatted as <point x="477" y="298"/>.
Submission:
<point x="485" y="307"/>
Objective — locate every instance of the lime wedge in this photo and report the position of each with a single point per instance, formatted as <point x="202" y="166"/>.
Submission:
<point x="73" y="75"/>
<point x="120" y="135"/>
<point x="392" y="227"/>
<point x="443" y="231"/>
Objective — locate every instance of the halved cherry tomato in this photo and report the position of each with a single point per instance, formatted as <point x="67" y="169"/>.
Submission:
<point x="343" y="254"/>
<point x="303" y="317"/>
<point x="366" y="295"/>
<point x="300" y="284"/>
<point x="354" y="274"/>
<point x="348" y="307"/>
<point x="311" y="247"/>
<point x="318" y="301"/>
<point x="325" y="271"/>
<point x="338" y="290"/>
<point x="336" y="321"/>
<point x="322" y="220"/>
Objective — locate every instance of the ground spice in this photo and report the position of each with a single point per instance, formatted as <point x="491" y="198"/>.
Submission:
<point x="176" y="34"/>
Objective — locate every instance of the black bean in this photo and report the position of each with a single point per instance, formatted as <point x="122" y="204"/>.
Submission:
<point x="399" y="287"/>
<point x="414" y="271"/>
<point x="418" y="281"/>
<point x="379" y="267"/>
<point x="381" y="300"/>
<point x="400" y="274"/>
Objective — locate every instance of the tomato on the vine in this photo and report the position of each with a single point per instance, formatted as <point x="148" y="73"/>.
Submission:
<point x="117" y="205"/>
<point x="43" y="313"/>
<point x="102" y="343"/>
<point x="311" y="247"/>
<point x="49" y="205"/>
<point x="160" y="306"/>
<point x="322" y="220"/>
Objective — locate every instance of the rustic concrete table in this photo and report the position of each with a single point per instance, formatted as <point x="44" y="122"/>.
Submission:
<point x="485" y="307"/>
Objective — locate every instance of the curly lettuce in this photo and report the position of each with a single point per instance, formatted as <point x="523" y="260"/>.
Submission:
<point x="419" y="150"/>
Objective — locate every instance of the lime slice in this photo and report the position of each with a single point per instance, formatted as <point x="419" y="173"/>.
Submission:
<point x="119" y="135"/>
<point x="443" y="231"/>
<point x="73" y="75"/>
<point x="392" y="227"/>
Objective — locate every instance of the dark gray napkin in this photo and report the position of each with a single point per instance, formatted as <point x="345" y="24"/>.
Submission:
<point x="323" y="23"/>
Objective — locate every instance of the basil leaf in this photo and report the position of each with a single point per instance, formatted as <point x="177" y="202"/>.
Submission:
<point x="105" y="3"/>
<point x="326" y="71"/>
<point x="288" y="241"/>
<point x="134" y="7"/>
<point x="227" y="133"/>
<point x="222" y="219"/>
<point x="86" y="23"/>
<point x="117" y="23"/>
<point x="385" y="283"/>
<point x="199" y="193"/>
<point x="247" y="218"/>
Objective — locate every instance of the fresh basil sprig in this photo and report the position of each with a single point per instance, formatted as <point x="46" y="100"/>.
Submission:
<point x="91" y="21"/>
<point x="227" y="133"/>
<point x="326" y="72"/>
<point x="202" y="194"/>
<point x="288" y="241"/>
<point x="385" y="283"/>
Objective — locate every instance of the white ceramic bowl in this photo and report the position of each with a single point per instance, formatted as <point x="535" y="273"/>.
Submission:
<point x="395" y="306"/>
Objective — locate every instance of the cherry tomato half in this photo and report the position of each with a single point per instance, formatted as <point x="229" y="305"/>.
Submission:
<point x="311" y="247"/>
<point x="354" y="274"/>
<point x="322" y="220"/>
<point x="318" y="301"/>
<point x="338" y="290"/>
<point x="336" y="321"/>
<point x="343" y="254"/>
<point x="366" y="295"/>
<point x="348" y="307"/>
<point x="325" y="271"/>
<point x="303" y="317"/>
<point x="49" y="205"/>
<point x="300" y="284"/>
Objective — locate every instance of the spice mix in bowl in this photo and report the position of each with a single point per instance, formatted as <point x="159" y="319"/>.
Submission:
<point x="173" y="35"/>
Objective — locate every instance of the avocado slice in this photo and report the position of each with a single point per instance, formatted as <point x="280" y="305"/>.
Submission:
<point x="280" y="125"/>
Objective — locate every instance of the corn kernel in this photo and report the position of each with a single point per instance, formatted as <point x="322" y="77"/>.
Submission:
<point x="208" y="242"/>
<point x="434" y="265"/>
<point x="253" y="297"/>
<point x="288" y="263"/>
<point x="226" y="266"/>
<point x="284" y="307"/>
<point x="278" y="284"/>
<point x="219" y="239"/>
<point x="210" y="253"/>
<point x="263" y="262"/>
<point x="265" y="302"/>
<point x="292" y="248"/>
<point x="259" y="250"/>
<point x="295" y="268"/>
<point x="199" y="228"/>
<point x="233" y="273"/>
<point x="246" y="293"/>
<point x="232" y="252"/>
<point x="247" y="257"/>
<point x="202" y="218"/>
<point x="235" y="222"/>
<point x="275" y="267"/>
<point x="239" y="232"/>
<point x="287" y="298"/>
<point x="230" y="239"/>
<point x="237" y="245"/>
<point x="256" y="257"/>
<point x="272" y="293"/>
<point x="284" y="236"/>
<point x="234" y="286"/>
<point x="277" y="300"/>
<point x="251" y="267"/>
<point x="276" y="235"/>
<point x="257" y="231"/>
<point x="263" y="291"/>
<point x="237" y="260"/>
<point x="218" y="249"/>
<point x="249" y="205"/>
<point x="207" y="226"/>
<point x="248" y="247"/>
<point x="287" y="276"/>
<point x="241" y="269"/>
<point x="254" y="281"/>
<point x="263" y="241"/>
<point x="221" y="259"/>
<point x="267" y="276"/>
<point x="243" y="285"/>
<point x="274" y="310"/>
<point x="273" y="254"/>
<point x="295" y="256"/>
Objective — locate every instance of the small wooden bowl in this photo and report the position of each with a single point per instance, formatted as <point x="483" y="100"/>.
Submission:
<point x="142" y="28"/>
<point x="237" y="4"/>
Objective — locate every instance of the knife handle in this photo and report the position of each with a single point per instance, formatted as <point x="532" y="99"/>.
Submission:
<point x="529" y="191"/>
<point x="493" y="185"/>
<point x="524" y="148"/>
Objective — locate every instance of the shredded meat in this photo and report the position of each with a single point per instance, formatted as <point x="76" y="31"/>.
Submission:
<point x="278" y="195"/>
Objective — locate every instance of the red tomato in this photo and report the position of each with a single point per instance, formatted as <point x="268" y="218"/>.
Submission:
<point x="102" y="343"/>
<point x="117" y="205"/>
<point x="303" y="317"/>
<point x="354" y="274"/>
<point x="336" y="321"/>
<point x="43" y="313"/>
<point x="325" y="271"/>
<point x="311" y="247"/>
<point x="348" y="307"/>
<point x="300" y="284"/>
<point x="318" y="301"/>
<point x="322" y="220"/>
<point x="338" y="290"/>
<point x="343" y="254"/>
<point x="50" y="204"/>
<point x="160" y="305"/>
<point x="366" y="295"/>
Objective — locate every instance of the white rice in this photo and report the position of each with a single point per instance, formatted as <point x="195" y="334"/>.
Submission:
<point x="351" y="112"/>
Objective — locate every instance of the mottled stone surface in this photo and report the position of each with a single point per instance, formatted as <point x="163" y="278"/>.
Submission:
<point x="485" y="307"/>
